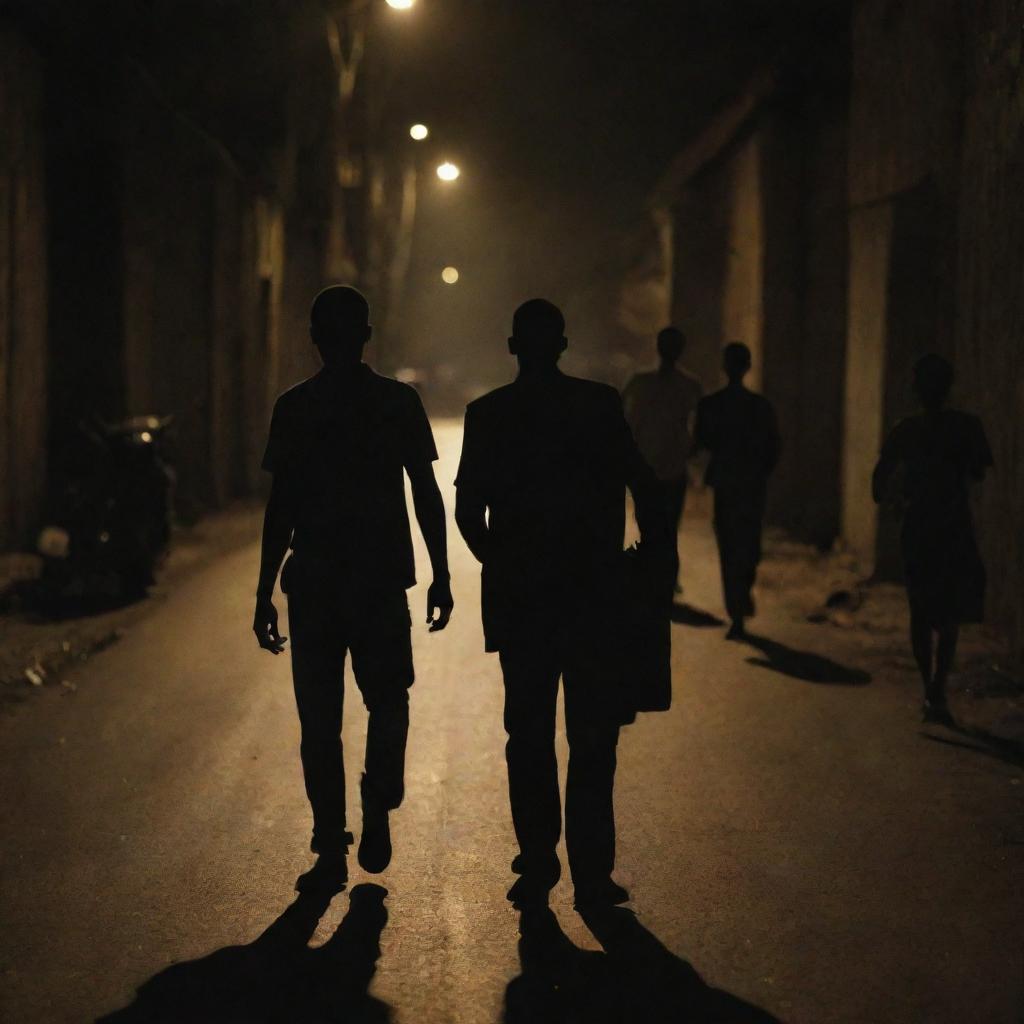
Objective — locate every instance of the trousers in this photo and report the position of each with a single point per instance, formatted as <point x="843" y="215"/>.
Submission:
<point x="375" y="629"/>
<point x="738" y="521"/>
<point x="531" y="667"/>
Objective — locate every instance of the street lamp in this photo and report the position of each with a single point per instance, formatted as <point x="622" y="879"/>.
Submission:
<point x="419" y="132"/>
<point x="449" y="275"/>
<point x="448" y="171"/>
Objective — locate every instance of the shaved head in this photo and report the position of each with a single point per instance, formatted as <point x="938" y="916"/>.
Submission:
<point x="538" y="335"/>
<point x="538" y="319"/>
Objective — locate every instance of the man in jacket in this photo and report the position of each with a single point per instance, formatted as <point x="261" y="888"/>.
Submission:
<point x="541" y="504"/>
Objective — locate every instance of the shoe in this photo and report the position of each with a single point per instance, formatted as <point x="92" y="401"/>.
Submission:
<point x="736" y="631"/>
<point x="528" y="893"/>
<point x="375" y="843"/>
<point x="328" y="874"/>
<point x="602" y="893"/>
<point x="537" y="878"/>
<point x="936" y="713"/>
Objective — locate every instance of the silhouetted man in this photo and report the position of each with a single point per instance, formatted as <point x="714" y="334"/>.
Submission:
<point x="739" y="429"/>
<point x="940" y="451"/>
<point x="659" y="407"/>
<point x="339" y="442"/>
<point x="541" y="504"/>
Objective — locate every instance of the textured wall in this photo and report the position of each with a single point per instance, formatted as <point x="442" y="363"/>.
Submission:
<point x="701" y="225"/>
<point x="990" y="324"/>
<point x="904" y="95"/>
<point x="903" y="167"/>
<point x="743" y="292"/>
<point x="23" y="290"/>
<point x="201" y="286"/>
<point x="804" y="290"/>
<point x="863" y="426"/>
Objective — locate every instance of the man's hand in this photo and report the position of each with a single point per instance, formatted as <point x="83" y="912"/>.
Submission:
<point x="264" y="625"/>
<point x="439" y="601"/>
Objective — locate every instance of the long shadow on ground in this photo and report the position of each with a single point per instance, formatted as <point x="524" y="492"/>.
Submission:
<point x="1002" y="748"/>
<point x="635" y="979"/>
<point x="804" y="665"/>
<point x="277" y="978"/>
<point x="687" y="615"/>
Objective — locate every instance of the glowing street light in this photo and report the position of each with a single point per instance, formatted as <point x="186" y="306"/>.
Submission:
<point x="401" y="5"/>
<point x="419" y="132"/>
<point x="448" y="171"/>
<point x="449" y="275"/>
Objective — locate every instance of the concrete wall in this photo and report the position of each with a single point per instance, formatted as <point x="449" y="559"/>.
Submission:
<point x="989" y="342"/>
<point x="812" y="452"/>
<point x="904" y="130"/>
<point x="743" y="291"/>
<point x="85" y="257"/>
<point x="23" y="288"/>
<point x="803" y="290"/>
<point x="701" y="217"/>
<point x="865" y="374"/>
<point x="201" y="286"/>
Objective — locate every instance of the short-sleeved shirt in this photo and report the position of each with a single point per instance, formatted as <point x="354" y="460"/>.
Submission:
<point x="338" y="446"/>
<point x="659" y="407"/>
<point x="940" y="454"/>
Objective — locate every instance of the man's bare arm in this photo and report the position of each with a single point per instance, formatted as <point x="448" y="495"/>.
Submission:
<point x="277" y="536"/>
<point x="429" y="506"/>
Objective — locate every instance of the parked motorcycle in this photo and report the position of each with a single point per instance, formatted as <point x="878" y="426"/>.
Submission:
<point x="111" y="515"/>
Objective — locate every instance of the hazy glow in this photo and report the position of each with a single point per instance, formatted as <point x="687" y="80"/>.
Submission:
<point x="401" y="5"/>
<point x="419" y="131"/>
<point x="448" y="171"/>
<point x="449" y="275"/>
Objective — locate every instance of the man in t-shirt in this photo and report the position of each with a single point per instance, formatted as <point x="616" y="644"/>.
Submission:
<point x="540" y="502"/>
<point x="739" y="429"/>
<point x="659" y="406"/>
<point x="338" y="445"/>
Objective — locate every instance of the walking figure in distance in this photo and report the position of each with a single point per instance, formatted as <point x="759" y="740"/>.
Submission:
<point x="659" y="406"/>
<point x="541" y="504"/>
<point x="941" y="451"/>
<point x="338" y="444"/>
<point x="739" y="430"/>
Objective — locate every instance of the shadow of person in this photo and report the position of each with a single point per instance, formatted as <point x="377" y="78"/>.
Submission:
<point x="1002" y="748"/>
<point x="635" y="979"/>
<point x="686" y="615"/>
<point x="805" y="665"/>
<point x="277" y="977"/>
